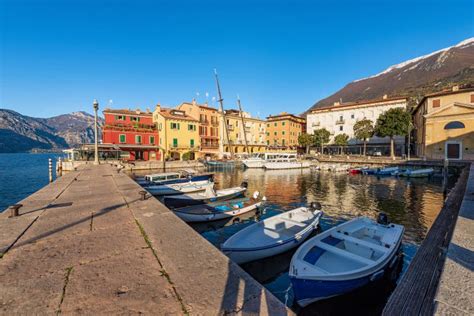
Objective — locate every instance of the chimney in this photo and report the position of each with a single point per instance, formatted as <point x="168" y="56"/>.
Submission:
<point x="455" y="88"/>
<point x="158" y="108"/>
<point x="337" y="103"/>
<point x="385" y="97"/>
<point x="148" y="110"/>
<point x="194" y="101"/>
<point x="137" y="111"/>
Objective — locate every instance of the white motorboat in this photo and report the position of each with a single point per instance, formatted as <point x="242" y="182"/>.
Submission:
<point x="182" y="176"/>
<point x="179" y="188"/>
<point x="285" y="161"/>
<point x="218" y="210"/>
<point x="273" y="235"/>
<point x="258" y="160"/>
<point x="344" y="258"/>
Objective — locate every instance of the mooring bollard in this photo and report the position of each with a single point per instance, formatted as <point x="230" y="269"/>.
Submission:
<point x="60" y="167"/>
<point x="143" y="195"/>
<point x="14" y="210"/>
<point x="50" y="168"/>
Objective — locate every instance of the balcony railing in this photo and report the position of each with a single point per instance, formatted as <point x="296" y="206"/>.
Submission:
<point x="215" y="123"/>
<point x="187" y="147"/>
<point x="316" y="124"/>
<point x="230" y="127"/>
<point x="134" y="127"/>
<point x="209" y="145"/>
<point x="340" y="122"/>
<point x="204" y="122"/>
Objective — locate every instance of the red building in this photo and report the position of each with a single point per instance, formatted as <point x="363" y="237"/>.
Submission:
<point x="131" y="132"/>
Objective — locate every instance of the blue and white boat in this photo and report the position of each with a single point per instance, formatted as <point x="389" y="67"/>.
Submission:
<point x="369" y="171"/>
<point x="205" y="197"/>
<point x="179" y="188"/>
<point x="273" y="235"/>
<point x="416" y="173"/>
<point x="344" y="258"/>
<point x="218" y="210"/>
<point x="386" y="171"/>
<point x="173" y="178"/>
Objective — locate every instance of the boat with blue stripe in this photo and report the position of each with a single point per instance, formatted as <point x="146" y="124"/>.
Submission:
<point x="166" y="178"/>
<point x="344" y="258"/>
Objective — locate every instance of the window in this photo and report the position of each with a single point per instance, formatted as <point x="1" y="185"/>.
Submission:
<point x="191" y="127"/>
<point x="175" y="126"/>
<point x="191" y="143"/>
<point x="134" y="119"/>
<point x="275" y="133"/>
<point x="436" y="103"/>
<point x="341" y="128"/>
<point x="268" y="133"/>
<point x="283" y="132"/>
<point x="454" y="125"/>
<point x="352" y="116"/>
<point x="340" y="118"/>
<point x="138" y="139"/>
<point x="282" y="123"/>
<point x="160" y="126"/>
<point x="472" y="98"/>
<point x="122" y="138"/>
<point x="275" y="124"/>
<point x="120" y="117"/>
<point x="175" y="142"/>
<point x="283" y="142"/>
<point x="152" y="140"/>
<point x="268" y="125"/>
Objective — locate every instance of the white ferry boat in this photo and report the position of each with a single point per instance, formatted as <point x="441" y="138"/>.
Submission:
<point x="258" y="160"/>
<point x="285" y="161"/>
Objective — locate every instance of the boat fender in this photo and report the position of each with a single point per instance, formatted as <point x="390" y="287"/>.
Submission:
<point x="315" y="206"/>
<point x="377" y="275"/>
<point x="255" y="195"/>
<point x="382" y="219"/>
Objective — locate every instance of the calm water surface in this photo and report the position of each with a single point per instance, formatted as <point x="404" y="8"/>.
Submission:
<point x="21" y="175"/>
<point x="413" y="203"/>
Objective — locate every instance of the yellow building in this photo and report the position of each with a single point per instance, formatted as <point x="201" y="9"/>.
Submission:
<point x="249" y="135"/>
<point x="283" y="131"/>
<point x="178" y="133"/>
<point x="209" y="124"/>
<point x="444" y="125"/>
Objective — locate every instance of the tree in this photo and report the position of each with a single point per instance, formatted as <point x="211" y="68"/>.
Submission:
<point x="341" y="140"/>
<point x="363" y="130"/>
<point x="305" y="140"/>
<point x="393" y="123"/>
<point x="321" y="137"/>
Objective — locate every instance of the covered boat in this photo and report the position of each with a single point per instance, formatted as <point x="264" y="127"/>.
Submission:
<point x="273" y="235"/>
<point x="205" y="197"/>
<point x="416" y="173"/>
<point x="182" y="176"/>
<point x="386" y="171"/>
<point x="344" y="258"/>
<point x="179" y="188"/>
<point x="218" y="210"/>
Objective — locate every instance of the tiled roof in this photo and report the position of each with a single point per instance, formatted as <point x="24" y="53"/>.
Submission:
<point x="442" y="93"/>
<point x="169" y="114"/>
<point x="202" y="106"/>
<point x="358" y="103"/>
<point x="127" y="112"/>
<point x="284" y="114"/>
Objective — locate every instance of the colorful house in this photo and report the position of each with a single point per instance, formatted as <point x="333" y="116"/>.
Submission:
<point x="132" y="133"/>
<point x="246" y="134"/>
<point x="209" y="119"/>
<point x="283" y="131"/>
<point x="179" y="135"/>
<point x="444" y="125"/>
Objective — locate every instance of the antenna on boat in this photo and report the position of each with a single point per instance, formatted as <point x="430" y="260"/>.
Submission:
<point x="221" y="103"/>
<point x="243" y="124"/>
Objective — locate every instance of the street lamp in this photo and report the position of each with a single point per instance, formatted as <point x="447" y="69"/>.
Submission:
<point x="96" y="145"/>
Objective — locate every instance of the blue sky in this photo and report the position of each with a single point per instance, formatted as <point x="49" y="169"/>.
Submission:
<point x="57" y="56"/>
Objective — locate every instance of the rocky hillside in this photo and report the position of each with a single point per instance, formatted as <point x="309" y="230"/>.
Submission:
<point x="20" y="133"/>
<point x="413" y="78"/>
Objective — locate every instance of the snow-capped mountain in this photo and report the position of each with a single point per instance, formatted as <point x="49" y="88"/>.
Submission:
<point x="413" y="78"/>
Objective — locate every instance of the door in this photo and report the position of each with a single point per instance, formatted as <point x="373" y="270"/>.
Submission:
<point x="453" y="151"/>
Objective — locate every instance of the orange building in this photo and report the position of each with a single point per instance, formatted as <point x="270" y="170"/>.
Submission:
<point x="283" y="131"/>
<point x="208" y="118"/>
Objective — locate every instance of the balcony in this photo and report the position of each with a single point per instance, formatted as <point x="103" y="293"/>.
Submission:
<point x="209" y="145"/>
<point x="316" y="124"/>
<point x="340" y="122"/>
<point x="182" y="147"/>
<point x="132" y="127"/>
<point x="230" y="127"/>
<point x="215" y="123"/>
<point x="204" y="122"/>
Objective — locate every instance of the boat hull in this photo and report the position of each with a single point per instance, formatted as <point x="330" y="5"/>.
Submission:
<point x="182" y="202"/>
<point x="243" y="256"/>
<point x="286" y="165"/>
<point x="253" y="163"/>
<point x="178" y="189"/>
<point x="215" y="216"/>
<point x="202" y="177"/>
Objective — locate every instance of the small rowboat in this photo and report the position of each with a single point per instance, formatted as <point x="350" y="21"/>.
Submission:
<point x="386" y="171"/>
<point x="205" y="197"/>
<point x="357" y="170"/>
<point x="369" y="171"/>
<point x="182" y="176"/>
<point x="344" y="258"/>
<point x="418" y="173"/>
<point x="273" y="235"/>
<point x="218" y="210"/>
<point x="179" y="188"/>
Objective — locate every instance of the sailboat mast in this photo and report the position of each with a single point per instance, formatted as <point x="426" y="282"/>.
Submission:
<point x="243" y="125"/>
<point x="221" y="104"/>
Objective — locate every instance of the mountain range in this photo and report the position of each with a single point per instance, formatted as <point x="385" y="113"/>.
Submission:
<point x="20" y="133"/>
<point x="413" y="78"/>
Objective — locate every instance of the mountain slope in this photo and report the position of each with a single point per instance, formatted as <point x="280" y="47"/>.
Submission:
<point x="20" y="133"/>
<point x="413" y="78"/>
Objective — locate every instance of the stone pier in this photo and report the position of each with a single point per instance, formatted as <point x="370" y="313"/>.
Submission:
<point x="88" y="244"/>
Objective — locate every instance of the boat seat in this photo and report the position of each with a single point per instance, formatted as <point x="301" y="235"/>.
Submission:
<point x="344" y="253"/>
<point x="360" y="242"/>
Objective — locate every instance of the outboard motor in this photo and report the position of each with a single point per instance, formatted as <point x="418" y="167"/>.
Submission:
<point x="315" y="206"/>
<point x="382" y="219"/>
<point x="244" y="184"/>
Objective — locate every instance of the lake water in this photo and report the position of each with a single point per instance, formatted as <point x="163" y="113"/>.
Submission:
<point x="414" y="203"/>
<point x="21" y="175"/>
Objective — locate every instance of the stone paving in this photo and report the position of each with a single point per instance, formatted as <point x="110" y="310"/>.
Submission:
<point x="87" y="244"/>
<point x="455" y="295"/>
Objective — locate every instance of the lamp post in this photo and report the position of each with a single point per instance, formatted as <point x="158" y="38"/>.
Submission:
<point x="96" y="145"/>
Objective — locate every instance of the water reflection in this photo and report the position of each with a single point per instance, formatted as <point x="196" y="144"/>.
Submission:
<point x="414" y="203"/>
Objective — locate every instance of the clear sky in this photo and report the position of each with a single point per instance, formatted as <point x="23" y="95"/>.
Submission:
<point x="57" y="56"/>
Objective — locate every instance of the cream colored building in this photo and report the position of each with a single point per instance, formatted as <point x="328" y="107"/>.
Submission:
<point x="444" y="125"/>
<point x="247" y="137"/>
<point x="178" y="133"/>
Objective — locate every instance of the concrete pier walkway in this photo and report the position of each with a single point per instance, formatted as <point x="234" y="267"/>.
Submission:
<point x="88" y="244"/>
